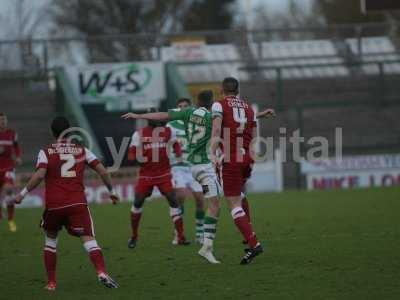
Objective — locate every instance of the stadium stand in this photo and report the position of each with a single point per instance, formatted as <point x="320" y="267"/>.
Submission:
<point x="376" y="49"/>
<point x="29" y="105"/>
<point x="317" y="82"/>
<point x="218" y="60"/>
<point x="301" y="53"/>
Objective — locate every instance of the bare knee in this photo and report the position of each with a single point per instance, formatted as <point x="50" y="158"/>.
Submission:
<point x="180" y="195"/>
<point x="139" y="201"/>
<point x="171" y="198"/>
<point x="199" y="200"/>
<point x="87" y="238"/>
<point x="214" y="206"/>
<point x="51" y="234"/>
<point x="234" y="202"/>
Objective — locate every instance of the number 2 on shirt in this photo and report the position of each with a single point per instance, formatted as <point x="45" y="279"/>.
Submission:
<point x="66" y="167"/>
<point x="196" y="133"/>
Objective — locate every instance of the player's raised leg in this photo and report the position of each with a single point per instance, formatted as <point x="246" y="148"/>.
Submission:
<point x="199" y="216"/>
<point x="210" y="230"/>
<point x="206" y="177"/>
<point x="197" y="192"/>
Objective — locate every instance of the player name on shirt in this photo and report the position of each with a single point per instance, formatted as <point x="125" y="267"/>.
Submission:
<point x="236" y="102"/>
<point x="151" y="139"/>
<point x="155" y="145"/>
<point x="64" y="149"/>
<point x="198" y="120"/>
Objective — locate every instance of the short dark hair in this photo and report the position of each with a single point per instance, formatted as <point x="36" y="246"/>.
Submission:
<point x="2" y="114"/>
<point x="205" y="98"/>
<point x="181" y="100"/>
<point x="230" y="85"/>
<point x="59" y="125"/>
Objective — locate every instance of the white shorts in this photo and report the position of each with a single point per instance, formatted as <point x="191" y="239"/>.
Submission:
<point x="182" y="179"/>
<point x="206" y="176"/>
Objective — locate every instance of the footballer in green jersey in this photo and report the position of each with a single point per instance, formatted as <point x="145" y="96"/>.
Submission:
<point x="198" y="127"/>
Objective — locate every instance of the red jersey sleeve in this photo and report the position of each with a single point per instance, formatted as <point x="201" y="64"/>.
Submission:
<point x="91" y="159"/>
<point x="135" y="142"/>
<point x="42" y="160"/>
<point x="217" y="110"/>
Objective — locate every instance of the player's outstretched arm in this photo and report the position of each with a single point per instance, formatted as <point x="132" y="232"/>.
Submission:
<point x="266" y="113"/>
<point x="156" y="116"/>
<point x="105" y="177"/>
<point x="35" y="180"/>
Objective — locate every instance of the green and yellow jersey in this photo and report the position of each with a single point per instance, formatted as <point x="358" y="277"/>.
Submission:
<point x="197" y="124"/>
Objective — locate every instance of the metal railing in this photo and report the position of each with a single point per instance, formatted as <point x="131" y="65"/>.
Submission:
<point x="35" y="55"/>
<point x="378" y="87"/>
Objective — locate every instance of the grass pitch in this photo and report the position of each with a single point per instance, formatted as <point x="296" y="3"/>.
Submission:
<point x="318" y="245"/>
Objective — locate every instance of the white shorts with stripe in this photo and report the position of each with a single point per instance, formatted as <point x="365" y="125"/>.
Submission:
<point x="183" y="178"/>
<point x="205" y="175"/>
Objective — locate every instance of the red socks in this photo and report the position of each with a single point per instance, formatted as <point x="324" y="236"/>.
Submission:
<point x="50" y="262"/>
<point x="10" y="212"/>
<point x="246" y="208"/>
<point x="50" y="259"/>
<point x="96" y="256"/>
<point x="244" y="226"/>
<point x="136" y="214"/>
<point x="176" y="217"/>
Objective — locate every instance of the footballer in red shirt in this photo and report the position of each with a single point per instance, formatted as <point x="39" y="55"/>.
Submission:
<point x="234" y="121"/>
<point x="10" y="155"/>
<point x="61" y="165"/>
<point x="149" y="146"/>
